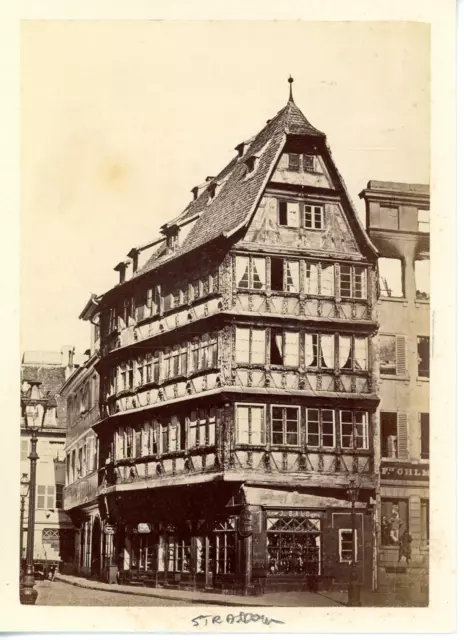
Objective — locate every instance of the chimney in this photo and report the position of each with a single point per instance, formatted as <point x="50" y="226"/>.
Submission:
<point x="134" y="255"/>
<point x="67" y="355"/>
<point x="195" y="192"/>
<point x="121" y="267"/>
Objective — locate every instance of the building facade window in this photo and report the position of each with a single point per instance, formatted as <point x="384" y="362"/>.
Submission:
<point x="325" y="286"/>
<point x="354" y="430"/>
<point x="293" y="545"/>
<point x="284" y="348"/>
<point x="250" y="272"/>
<point x="319" y="351"/>
<point x="59" y="495"/>
<point x="345" y="545"/>
<point x="320" y="428"/>
<point x="309" y="163"/>
<point x="205" y="353"/>
<point x="289" y="214"/>
<point x="313" y="217"/>
<point x="394" y="521"/>
<point x="353" y="282"/>
<point x="391" y="278"/>
<point x="293" y="162"/>
<point x="285" y="423"/>
<point x="422" y="275"/>
<point x="45" y="497"/>
<point x="202" y="428"/>
<point x="425" y="521"/>
<point x="250" y="424"/>
<point x="285" y="275"/>
<point x="423" y="357"/>
<point x="392" y="355"/>
<point x="423" y="220"/>
<point x="425" y="435"/>
<point x="250" y="345"/>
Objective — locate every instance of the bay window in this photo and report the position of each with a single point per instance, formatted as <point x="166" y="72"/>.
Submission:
<point x="285" y="425"/>
<point x="250" y="272"/>
<point x="250" y="425"/>
<point x="250" y="345"/>
<point x="354" y="430"/>
<point x="320" y="428"/>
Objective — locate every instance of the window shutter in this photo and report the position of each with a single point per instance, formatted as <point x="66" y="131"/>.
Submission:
<point x="402" y="435"/>
<point x="401" y="356"/>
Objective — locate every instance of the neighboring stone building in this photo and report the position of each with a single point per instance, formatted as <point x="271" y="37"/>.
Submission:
<point x="53" y="539"/>
<point x="238" y="392"/>
<point x="81" y="393"/>
<point x="397" y="221"/>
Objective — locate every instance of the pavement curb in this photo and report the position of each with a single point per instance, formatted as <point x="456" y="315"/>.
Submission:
<point x="101" y="587"/>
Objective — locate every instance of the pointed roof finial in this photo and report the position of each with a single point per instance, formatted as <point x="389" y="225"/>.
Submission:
<point x="290" y="82"/>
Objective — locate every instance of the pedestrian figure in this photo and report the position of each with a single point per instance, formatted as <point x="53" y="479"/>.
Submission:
<point x="405" y="546"/>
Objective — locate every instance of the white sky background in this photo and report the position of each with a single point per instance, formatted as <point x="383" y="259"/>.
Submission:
<point x="121" y="119"/>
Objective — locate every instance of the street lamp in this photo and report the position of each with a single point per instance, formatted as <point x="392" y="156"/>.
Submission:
<point x="354" y="593"/>
<point x="34" y="406"/>
<point x="24" y="488"/>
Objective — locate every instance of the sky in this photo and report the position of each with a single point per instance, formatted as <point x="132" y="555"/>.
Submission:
<point x="120" y="119"/>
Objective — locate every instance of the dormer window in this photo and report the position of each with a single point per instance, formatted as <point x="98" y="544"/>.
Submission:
<point x="250" y="164"/>
<point x="212" y="190"/>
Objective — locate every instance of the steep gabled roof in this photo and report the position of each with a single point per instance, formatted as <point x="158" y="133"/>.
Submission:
<point x="239" y="193"/>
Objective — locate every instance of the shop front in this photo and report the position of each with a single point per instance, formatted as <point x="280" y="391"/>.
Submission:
<point x="260" y="540"/>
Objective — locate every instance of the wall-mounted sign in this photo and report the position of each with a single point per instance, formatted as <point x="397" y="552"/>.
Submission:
<point x="143" y="527"/>
<point x="405" y="471"/>
<point x="109" y="529"/>
<point x="245" y="523"/>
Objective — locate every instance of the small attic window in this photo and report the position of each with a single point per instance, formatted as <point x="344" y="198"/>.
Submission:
<point x="293" y="162"/>
<point x="240" y="149"/>
<point x="195" y="192"/>
<point x="250" y="164"/>
<point x="212" y="190"/>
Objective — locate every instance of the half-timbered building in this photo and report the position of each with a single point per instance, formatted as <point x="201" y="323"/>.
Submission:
<point x="238" y="388"/>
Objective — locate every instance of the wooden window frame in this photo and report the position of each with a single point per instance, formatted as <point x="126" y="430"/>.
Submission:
<point x="284" y="409"/>
<point x="340" y="549"/>
<point x="352" y="276"/>
<point x="310" y="209"/>
<point x="320" y="434"/>
<point x="250" y="405"/>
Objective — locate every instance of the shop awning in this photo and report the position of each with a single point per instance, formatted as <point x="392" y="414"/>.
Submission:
<point x="275" y="498"/>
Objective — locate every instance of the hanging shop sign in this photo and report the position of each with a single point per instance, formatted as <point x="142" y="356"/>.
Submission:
<point x="245" y="523"/>
<point x="143" y="527"/>
<point x="408" y="472"/>
<point x="109" y="529"/>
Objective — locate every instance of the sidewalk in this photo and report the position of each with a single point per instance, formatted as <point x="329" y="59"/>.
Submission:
<point x="288" y="599"/>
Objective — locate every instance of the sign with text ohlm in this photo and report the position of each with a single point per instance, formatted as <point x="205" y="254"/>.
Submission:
<point x="406" y="471"/>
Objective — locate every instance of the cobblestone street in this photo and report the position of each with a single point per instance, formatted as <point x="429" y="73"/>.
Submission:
<point x="59" y="593"/>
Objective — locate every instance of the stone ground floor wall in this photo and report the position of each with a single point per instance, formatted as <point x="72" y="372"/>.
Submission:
<point x="403" y="562"/>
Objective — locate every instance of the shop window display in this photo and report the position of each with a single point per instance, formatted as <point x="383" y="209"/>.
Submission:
<point x="293" y="546"/>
